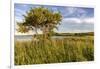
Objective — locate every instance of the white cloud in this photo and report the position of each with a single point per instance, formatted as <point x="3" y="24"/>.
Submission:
<point x="89" y="20"/>
<point x="24" y="5"/>
<point x="19" y="10"/>
<point x="71" y="10"/>
<point x="78" y="20"/>
<point x="18" y="19"/>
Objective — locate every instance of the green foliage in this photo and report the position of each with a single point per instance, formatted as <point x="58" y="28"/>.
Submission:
<point x="70" y="49"/>
<point x="22" y="28"/>
<point x="40" y="18"/>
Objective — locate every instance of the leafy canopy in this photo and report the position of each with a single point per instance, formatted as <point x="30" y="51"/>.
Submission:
<point x="39" y="18"/>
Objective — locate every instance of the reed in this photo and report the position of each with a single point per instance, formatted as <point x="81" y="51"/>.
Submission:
<point x="70" y="49"/>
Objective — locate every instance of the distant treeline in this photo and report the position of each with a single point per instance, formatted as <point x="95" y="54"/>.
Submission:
<point x="72" y="34"/>
<point x="75" y="34"/>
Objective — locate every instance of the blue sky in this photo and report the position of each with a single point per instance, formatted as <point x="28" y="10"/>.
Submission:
<point x="74" y="19"/>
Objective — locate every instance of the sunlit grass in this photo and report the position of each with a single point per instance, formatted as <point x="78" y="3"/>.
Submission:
<point x="70" y="49"/>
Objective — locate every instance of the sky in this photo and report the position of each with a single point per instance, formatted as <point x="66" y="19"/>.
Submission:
<point x="74" y="19"/>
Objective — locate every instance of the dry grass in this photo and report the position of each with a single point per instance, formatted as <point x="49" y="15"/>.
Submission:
<point x="70" y="49"/>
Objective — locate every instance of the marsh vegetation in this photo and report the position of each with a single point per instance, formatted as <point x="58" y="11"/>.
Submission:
<point x="69" y="49"/>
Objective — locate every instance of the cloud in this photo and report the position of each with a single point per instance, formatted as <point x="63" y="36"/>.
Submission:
<point x="78" y="20"/>
<point x="76" y="25"/>
<point x="19" y="10"/>
<point x="18" y="19"/>
<point x="71" y="10"/>
<point x="76" y="12"/>
<point x="19" y="14"/>
<point x="89" y="20"/>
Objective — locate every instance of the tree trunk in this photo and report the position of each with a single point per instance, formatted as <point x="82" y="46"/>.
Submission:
<point x="36" y="32"/>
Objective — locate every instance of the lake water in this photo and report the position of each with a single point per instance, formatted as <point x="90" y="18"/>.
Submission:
<point x="23" y="37"/>
<point x="29" y="37"/>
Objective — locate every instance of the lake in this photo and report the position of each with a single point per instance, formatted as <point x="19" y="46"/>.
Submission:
<point x="29" y="37"/>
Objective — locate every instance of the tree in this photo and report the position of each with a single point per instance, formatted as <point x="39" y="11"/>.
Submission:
<point x="40" y="18"/>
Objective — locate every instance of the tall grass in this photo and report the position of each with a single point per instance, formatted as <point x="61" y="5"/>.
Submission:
<point x="70" y="49"/>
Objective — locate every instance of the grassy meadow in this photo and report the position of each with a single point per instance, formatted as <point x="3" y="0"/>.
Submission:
<point x="69" y="49"/>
